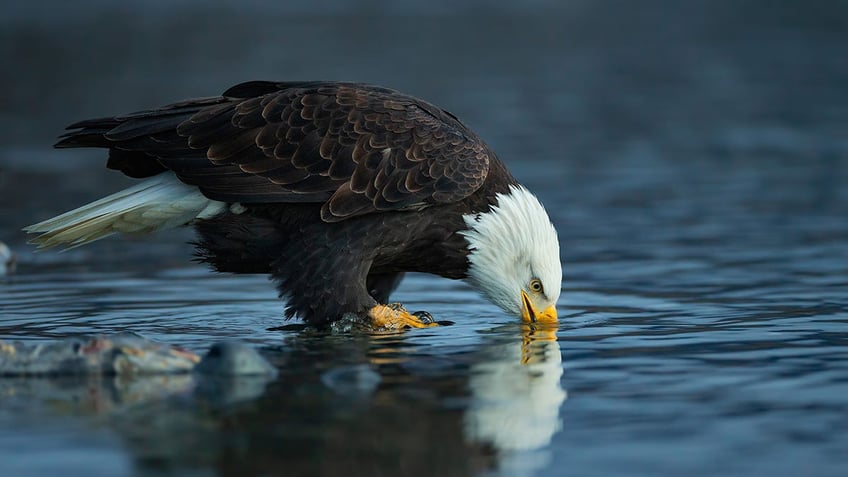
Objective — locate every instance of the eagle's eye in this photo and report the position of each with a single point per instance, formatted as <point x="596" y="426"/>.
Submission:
<point x="536" y="285"/>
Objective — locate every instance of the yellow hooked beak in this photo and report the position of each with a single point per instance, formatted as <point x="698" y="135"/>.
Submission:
<point x="530" y="314"/>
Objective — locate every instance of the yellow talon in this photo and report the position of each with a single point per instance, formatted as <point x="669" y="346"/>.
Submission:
<point x="395" y="317"/>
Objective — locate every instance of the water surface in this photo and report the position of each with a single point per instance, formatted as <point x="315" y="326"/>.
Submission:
<point x="693" y="159"/>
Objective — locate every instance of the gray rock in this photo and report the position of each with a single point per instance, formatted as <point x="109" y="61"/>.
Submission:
<point x="125" y="354"/>
<point x="7" y="260"/>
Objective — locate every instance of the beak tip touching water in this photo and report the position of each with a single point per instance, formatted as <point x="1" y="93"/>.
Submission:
<point x="530" y="314"/>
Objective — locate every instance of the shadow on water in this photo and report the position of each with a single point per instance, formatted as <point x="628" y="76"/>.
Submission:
<point x="381" y="405"/>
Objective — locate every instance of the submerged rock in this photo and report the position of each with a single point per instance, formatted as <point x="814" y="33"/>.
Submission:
<point x="355" y="381"/>
<point x="125" y="372"/>
<point x="126" y="354"/>
<point x="231" y="358"/>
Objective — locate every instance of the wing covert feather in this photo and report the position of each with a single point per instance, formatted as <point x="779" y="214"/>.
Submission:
<point x="357" y="148"/>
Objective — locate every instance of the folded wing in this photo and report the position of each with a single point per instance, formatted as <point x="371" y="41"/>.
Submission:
<point x="356" y="148"/>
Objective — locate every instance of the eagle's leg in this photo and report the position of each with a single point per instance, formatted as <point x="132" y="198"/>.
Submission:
<point x="381" y="285"/>
<point x="394" y="317"/>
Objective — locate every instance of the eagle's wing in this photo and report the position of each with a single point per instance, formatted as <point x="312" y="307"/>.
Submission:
<point x="355" y="148"/>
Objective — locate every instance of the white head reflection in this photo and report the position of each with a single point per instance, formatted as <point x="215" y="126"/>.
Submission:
<point x="517" y="394"/>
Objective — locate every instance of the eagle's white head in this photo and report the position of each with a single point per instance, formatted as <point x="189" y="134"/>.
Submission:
<point x="514" y="256"/>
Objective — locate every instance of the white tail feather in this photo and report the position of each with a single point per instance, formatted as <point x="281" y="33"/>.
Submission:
<point x="159" y="203"/>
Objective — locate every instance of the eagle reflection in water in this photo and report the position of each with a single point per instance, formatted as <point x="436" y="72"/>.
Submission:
<point x="516" y="399"/>
<point x="377" y="404"/>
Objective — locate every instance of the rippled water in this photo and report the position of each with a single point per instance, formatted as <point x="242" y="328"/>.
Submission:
<point x="694" y="161"/>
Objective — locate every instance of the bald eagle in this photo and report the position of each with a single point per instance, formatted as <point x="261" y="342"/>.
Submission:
<point x="334" y="189"/>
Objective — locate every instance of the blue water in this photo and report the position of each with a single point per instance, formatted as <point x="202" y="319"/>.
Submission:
<point x="693" y="158"/>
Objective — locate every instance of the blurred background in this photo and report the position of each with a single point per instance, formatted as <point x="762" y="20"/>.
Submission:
<point x="694" y="158"/>
<point x="559" y="89"/>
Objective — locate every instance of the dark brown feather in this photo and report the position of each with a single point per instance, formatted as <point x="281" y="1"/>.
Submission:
<point x="356" y="148"/>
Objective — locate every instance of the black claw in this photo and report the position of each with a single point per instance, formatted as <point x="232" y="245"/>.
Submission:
<point x="424" y="316"/>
